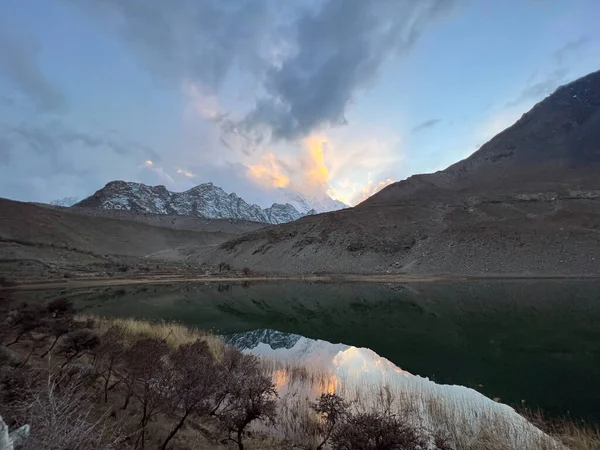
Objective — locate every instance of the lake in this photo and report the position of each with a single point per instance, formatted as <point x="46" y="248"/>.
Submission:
<point x="531" y="342"/>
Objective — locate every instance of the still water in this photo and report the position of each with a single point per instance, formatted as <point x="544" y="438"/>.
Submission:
<point x="531" y="342"/>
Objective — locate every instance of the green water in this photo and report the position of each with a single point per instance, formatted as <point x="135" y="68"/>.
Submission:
<point x="531" y="341"/>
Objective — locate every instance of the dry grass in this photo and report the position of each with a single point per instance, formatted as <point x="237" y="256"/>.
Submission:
<point x="575" y="434"/>
<point x="175" y="334"/>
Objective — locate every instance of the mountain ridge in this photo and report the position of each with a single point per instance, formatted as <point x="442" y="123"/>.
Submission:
<point x="204" y="200"/>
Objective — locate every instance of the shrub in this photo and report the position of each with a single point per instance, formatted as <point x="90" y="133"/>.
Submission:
<point x="78" y="343"/>
<point x="375" y="431"/>
<point x="61" y="416"/>
<point x="246" y="271"/>
<point x="224" y="267"/>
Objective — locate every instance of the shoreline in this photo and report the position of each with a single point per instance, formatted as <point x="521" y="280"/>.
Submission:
<point x="92" y="282"/>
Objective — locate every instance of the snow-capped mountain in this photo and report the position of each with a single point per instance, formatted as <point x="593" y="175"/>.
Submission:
<point x="65" y="201"/>
<point x="305" y="203"/>
<point x="205" y="200"/>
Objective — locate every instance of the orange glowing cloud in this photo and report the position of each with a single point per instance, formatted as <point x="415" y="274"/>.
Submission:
<point x="268" y="172"/>
<point x="317" y="173"/>
<point x="371" y="189"/>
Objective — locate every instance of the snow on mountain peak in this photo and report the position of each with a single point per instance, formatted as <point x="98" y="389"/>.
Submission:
<point x="65" y="201"/>
<point x="205" y="200"/>
<point x="305" y="203"/>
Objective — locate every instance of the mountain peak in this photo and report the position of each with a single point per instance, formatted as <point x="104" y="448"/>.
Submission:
<point x="204" y="200"/>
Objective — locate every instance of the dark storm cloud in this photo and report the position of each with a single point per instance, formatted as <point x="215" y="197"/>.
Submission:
<point x="339" y="50"/>
<point x="19" y="66"/>
<point x="310" y="58"/>
<point x="424" y="125"/>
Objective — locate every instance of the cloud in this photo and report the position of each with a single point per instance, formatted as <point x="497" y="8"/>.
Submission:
<point x="186" y="173"/>
<point x="41" y="162"/>
<point x="308" y="60"/>
<point x="153" y="175"/>
<point x="196" y="41"/>
<point x="19" y="67"/>
<point x="536" y="90"/>
<point x="269" y="172"/>
<point x="338" y="51"/>
<point x="563" y="54"/>
<point x="355" y="193"/>
<point x="424" y="125"/>
<point x="5" y="147"/>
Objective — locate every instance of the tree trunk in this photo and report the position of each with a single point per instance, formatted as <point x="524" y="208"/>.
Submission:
<point x="174" y="431"/>
<point x="16" y="340"/>
<point x="51" y="347"/>
<point x="106" y="381"/>
<point x="127" y="398"/>
<point x="239" y="440"/>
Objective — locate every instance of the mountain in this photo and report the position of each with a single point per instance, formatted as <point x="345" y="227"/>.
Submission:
<point x="527" y="202"/>
<point x="205" y="200"/>
<point x="65" y="201"/>
<point x="307" y="203"/>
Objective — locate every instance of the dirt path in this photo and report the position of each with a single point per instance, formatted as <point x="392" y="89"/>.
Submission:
<point x="166" y="279"/>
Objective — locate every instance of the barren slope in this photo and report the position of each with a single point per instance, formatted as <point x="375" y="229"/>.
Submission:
<point x="527" y="202"/>
<point x="43" y="239"/>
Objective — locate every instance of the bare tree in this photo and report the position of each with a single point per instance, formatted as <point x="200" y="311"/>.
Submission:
<point x="78" y="343"/>
<point x="251" y="397"/>
<point x="191" y="383"/>
<point x="146" y="364"/>
<point x="111" y="352"/>
<point x="24" y="320"/>
<point x="332" y="410"/>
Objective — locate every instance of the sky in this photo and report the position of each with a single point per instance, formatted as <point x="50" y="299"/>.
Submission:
<point x="317" y="96"/>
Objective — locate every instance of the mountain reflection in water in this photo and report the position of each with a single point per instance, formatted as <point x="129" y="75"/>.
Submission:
<point x="304" y="368"/>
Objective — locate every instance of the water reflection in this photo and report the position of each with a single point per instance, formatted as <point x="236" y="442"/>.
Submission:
<point x="537" y="341"/>
<point x="304" y="368"/>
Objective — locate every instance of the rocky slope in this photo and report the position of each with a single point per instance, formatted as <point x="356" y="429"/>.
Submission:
<point x="527" y="202"/>
<point x="205" y="200"/>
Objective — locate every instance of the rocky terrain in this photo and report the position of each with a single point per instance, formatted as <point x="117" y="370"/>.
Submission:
<point x="205" y="200"/>
<point x="527" y="202"/>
